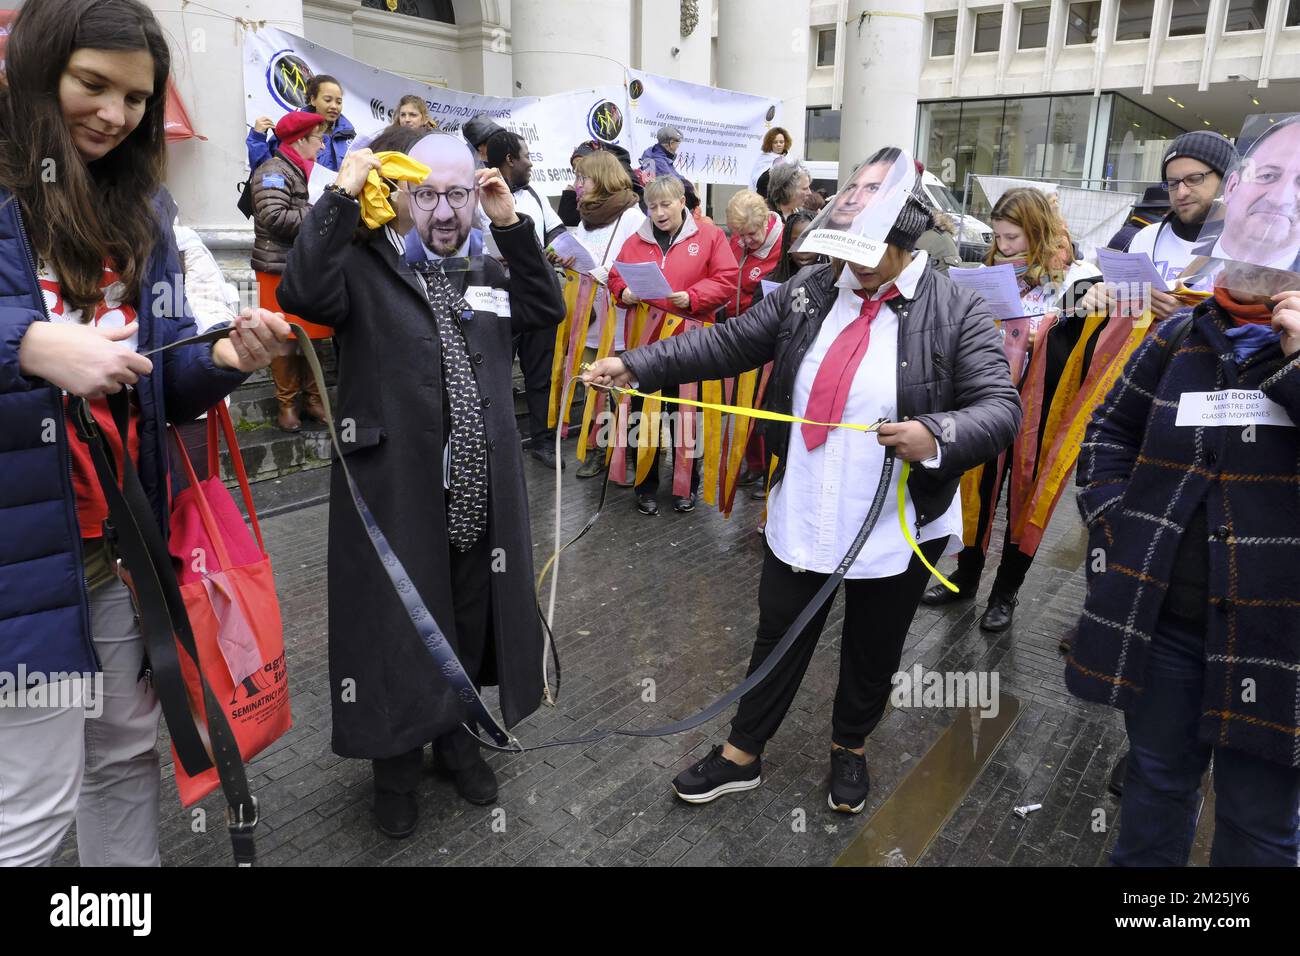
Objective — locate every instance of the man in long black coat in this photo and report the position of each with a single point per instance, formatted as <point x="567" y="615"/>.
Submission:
<point x="426" y="417"/>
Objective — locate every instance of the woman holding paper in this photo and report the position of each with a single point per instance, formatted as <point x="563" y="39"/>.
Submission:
<point x="609" y="217"/>
<point x="698" y="265"/>
<point x="1030" y="236"/>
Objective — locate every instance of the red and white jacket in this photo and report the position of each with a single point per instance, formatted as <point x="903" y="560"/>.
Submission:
<point x="698" y="262"/>
<point x="755" y="265"/>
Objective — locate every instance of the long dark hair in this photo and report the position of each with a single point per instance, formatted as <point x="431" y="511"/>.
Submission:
<point x="87" y="213"/>
<point x="787" y="267"/>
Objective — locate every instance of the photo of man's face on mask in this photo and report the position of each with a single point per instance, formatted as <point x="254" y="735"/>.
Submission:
<point x="1257" y="217"/>
<point x="444" y="204"/>
<point x="856" y="222"/>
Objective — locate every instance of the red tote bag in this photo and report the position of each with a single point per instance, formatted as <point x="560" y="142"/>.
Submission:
<point x="229" y="590"/>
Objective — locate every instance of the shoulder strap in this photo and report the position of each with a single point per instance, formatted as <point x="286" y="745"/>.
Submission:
<point x="1177" y="336"/>
<point x="612" y="235"/>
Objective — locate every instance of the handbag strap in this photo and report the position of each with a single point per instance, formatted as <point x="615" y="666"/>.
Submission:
<point x="164" y="623"/>
<point x="202" y="504"/>
<point x="219" y="418"/>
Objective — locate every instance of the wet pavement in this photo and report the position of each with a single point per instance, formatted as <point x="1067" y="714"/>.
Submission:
<point x="672" y="600"/>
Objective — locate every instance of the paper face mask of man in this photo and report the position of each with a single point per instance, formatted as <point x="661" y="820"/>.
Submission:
<point x="445" y="203"/>
<point x="855" y="224"/>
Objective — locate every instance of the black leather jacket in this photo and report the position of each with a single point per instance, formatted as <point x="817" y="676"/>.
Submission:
<point x="952" y="373"/>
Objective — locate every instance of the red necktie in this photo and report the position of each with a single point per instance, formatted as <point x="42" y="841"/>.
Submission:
<point x="830" y="389"/>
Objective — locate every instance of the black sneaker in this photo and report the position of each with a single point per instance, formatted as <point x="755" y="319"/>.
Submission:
<point x="544" y="451"/>
<point x="684" y="505"/>
<point x="396" y="814"/>
<point x="647" y="505"/>
<point x="850" y="782"/>
<point x="715" y="775"/>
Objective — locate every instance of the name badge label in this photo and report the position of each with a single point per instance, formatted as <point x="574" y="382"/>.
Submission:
<point x="1232" y="407"/>
<point x="483" y="298"/>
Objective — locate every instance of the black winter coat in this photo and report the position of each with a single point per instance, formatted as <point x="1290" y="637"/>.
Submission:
<point x="390" y="399"/>
<point x="953" y="375"/>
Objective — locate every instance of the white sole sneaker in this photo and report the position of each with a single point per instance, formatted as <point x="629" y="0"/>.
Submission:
<point x="844" y="807"/>
<point x="709" y="796"/>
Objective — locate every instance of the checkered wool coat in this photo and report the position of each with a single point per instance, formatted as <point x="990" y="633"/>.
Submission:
<point x="1142" y="479"/>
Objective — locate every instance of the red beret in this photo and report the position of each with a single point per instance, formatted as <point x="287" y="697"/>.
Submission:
<point x="294" y="126"/>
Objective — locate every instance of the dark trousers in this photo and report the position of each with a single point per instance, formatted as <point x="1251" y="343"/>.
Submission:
<point x="471" y="591"/>
<point x="536" y="351"/>
<point x="877" y="614"/>
<point x="1014" y="564"/>
<point x="1257" y="802"/>
<point x="651" y="484"/>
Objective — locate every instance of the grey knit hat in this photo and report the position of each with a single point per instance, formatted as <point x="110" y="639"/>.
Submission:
<point x="478" y="129"/>
<point x="914" y="218"/>
<point x="1213" y="149"/>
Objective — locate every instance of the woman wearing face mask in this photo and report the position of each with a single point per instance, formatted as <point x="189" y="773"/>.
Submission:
<point x="698" y="264"/>
<point x="87" y="281"/>
<point x="280" y="203"/>
<point x="1030" y="235"/>
<point x="325" y="98"/>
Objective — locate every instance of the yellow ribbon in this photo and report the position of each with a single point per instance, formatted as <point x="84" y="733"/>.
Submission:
<point x="375" y="207"/>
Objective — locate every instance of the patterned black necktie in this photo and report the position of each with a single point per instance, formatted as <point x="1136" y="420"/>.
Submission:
<point x="468" y="499"/>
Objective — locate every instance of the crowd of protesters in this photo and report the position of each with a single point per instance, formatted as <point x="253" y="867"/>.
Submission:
<point x="430" y="259"/>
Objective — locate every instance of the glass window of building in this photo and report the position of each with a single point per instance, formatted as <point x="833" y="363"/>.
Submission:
<point x="940" y="128"/>
<point x="988" y="31"/>
<point x="1136" y="145"/>
<point x="1082" y="23"/>
<point x="823" y="135"/>
<point x="1134" y="21"/>
<point x="943" y="36"/>
<point x="1065" y="152"/>
<point x="1292" y="13"/>
<point x="1187" y="18"/>
<point x="826" y="47"/>
<point x="1246" y="15"/>
<point x="1024" y="136"/>
<point x="1033" y="27"/>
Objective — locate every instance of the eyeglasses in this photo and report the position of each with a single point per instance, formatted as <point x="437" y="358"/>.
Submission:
<point x="427" y="199"/>
<point x="1191" y="181"/>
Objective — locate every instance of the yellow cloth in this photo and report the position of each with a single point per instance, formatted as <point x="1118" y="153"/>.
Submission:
<point x="375" y="208"/>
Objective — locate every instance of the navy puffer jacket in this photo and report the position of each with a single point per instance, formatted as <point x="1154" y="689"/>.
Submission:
<point x="44" y="613"/>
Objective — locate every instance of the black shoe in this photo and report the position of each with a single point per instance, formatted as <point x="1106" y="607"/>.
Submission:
<point x="396" y="813"/>
<point x="997" y="616"/>
<point x="1116" y="783"/>
<point x="647" y="505"/>
<point x="715" y="775"/>
<point x="850" y="781"/>
<point x="749" y="478"/>
<point x="939" y="595"/>
<point x="544" y="451"/>
<point x="475" y="783"/>
<point x="684" y="505"/>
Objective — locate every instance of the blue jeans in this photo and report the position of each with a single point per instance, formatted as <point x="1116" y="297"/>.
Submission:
<point x="1257" y="802"/>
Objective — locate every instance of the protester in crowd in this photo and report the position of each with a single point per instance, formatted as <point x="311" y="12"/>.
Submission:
<point x="424" y="373"/>
<point x="1261" y="216"/>
<point x="1190" y="624"/>
<point x="413" y="113"/>
<point x="1151" y="208"/>
<point x="756" y="244"/>
<point x="477" y="131"/>
<point x="324" y="96"/>
<point x="280" y="204"/>
<point x="814" y="328"/>
<point x="1030" y="236"/>
<point x="940" y="242"/>
<point x="787" y="188"/>
<point x="661" y="158"/>
<point x="91" y="251"/>
<point x="776" y="147"/>
<point x="791" y="260"/>
<point x="816" y="200"/>
<point x="610" y="216"/>
<point x="507" y="152"/>
<point x="569" y="198"/>
<point x="698" y="264"/>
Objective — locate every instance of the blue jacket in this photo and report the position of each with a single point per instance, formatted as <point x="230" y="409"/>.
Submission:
<point x="665" y="165"/>
<point x="262" y="146"/>
<point x="44" y="613"/>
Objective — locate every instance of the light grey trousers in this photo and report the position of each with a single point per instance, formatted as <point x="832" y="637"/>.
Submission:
<point x="91" y="754"/>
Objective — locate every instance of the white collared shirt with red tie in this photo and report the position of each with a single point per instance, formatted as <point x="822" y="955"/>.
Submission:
<point x="815" y="511"/>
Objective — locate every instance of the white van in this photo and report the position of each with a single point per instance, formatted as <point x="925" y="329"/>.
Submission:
<point x="970" y="230"/>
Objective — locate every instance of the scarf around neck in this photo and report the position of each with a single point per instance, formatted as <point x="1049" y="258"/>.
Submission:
<point x="601" y="212"/>
<point x="293" y="156"/>
<point x="1251" y="325"/>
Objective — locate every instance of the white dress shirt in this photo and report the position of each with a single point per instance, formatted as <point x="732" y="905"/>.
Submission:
<point x="816" y="509"/>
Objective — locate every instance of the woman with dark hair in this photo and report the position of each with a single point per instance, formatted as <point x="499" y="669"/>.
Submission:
<point x="776" y="147"/>
<point x="324" y="96"/>
<point x="88" y="273"/>
<point x="424" y="331"/>
<point x="792" y="261"/>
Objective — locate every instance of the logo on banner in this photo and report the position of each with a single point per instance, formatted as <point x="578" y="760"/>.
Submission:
<point x="287" y="78"/>
<point x="605" y="121"/>
<point x="635" y="89"/>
